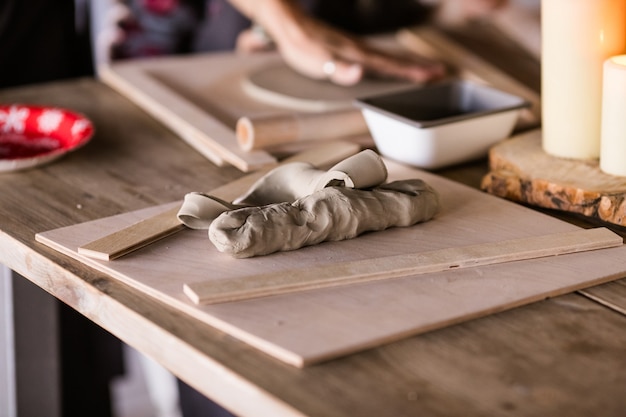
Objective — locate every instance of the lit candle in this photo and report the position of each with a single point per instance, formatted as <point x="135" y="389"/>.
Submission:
<point x="577" y="37"/>
<point x="613" y="142"/>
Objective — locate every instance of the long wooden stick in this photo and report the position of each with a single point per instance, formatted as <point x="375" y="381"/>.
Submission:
<point x="147" y="231"/>
<point x="365" y="270"/>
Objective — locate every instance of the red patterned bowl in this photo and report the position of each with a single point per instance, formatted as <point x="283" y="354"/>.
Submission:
<point x="35" y="135"/>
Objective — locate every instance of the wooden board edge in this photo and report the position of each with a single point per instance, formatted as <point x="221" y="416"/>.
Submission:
<point x="292" y="358"/>
<point x="207" y="135"/>
<point x="595" y="295"/>
<point x="272" y="350"/>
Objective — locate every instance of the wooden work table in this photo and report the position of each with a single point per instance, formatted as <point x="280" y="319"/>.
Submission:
<point x="561" y="356"/>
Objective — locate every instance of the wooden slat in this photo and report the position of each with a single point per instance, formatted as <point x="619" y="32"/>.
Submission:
<point x="147" y="231"/>
<point x="521" y="24"/>
<point x="611" y="294"/>
<point x="132" y="238"/>
<point x="287" y="281"/>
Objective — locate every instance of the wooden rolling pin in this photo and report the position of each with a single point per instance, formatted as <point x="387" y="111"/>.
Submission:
<point x="261" y="132"/>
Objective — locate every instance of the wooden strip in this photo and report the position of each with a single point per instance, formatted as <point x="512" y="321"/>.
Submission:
<point x="134" y="237"/>
<point x="261" y="285"/>
<point x="521" y="24"/>
<point x="150" y="230"/>
<point x="611" y="294"/>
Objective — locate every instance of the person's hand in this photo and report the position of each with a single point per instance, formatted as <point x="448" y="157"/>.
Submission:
<point x="108" y="34"/>
<point x="320" y="51"/>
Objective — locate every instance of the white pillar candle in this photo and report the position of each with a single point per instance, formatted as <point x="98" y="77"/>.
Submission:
<point x="577" y="37"/>
<point x="613" y="139"/>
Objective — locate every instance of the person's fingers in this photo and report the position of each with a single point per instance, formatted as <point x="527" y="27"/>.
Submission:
<point x="343" y="73"/>
<point x="387" y="63"/>
<point x="252" y="41"/>
<point x="325" y="53"/>
<point x="410" y="70"/>
<point x="409" y="67"/>
<point x="347" y="72"/>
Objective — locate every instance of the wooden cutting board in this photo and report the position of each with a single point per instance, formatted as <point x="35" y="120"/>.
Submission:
<point x="307" y="327"/>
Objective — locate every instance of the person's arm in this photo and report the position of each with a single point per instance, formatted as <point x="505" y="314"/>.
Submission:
<point x="456" y="12"/>
<point x="318" y="50"/>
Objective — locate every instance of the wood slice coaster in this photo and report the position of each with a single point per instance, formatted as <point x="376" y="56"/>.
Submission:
<point x="521" y="171"/>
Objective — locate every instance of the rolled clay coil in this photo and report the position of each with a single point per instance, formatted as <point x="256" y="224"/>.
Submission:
<point x="331" y="214"/>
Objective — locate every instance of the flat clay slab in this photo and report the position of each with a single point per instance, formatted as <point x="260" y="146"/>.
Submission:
<point x="307" y="327"/>
<point x="521" y="171"/>
<point x="279" y="85"/>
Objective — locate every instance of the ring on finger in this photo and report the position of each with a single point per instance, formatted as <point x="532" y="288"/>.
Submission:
<point x="329" y="68"/>
<point x="261" y="34"/>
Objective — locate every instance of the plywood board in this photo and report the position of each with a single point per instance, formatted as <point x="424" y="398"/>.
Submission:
<point x="312" y="326"/>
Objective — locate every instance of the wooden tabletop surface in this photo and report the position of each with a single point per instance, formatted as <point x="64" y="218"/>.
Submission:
<point x="561" y="356"/>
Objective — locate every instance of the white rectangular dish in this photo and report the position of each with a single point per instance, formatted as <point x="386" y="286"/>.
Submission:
<point x="442" y="124"/>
